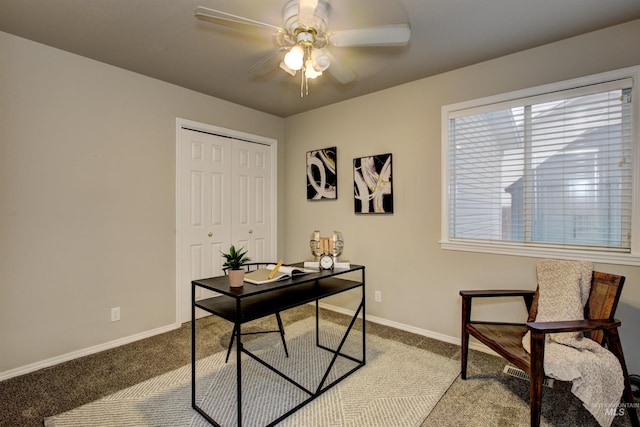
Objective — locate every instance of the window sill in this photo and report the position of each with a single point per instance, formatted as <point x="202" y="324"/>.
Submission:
<point x="537" y="252"/>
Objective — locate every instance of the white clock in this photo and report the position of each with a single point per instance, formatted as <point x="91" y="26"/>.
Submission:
<point x="326" y="262"/>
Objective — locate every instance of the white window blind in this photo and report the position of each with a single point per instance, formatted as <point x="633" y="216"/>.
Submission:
<point x="551" y="170"/>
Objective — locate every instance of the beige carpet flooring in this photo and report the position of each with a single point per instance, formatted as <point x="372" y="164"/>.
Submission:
<point x="487" y="398"/>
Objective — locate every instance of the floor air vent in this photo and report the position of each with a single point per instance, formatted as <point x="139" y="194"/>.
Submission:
<point x="519" y="373"/>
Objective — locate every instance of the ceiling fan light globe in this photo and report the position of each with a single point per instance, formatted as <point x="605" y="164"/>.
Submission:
<point x="310" y="72"/>
<point x="294" y="59"/>
<point x="320" y="60"/>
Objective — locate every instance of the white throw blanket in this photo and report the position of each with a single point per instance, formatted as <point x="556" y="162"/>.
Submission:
<point x="598" y="382"/>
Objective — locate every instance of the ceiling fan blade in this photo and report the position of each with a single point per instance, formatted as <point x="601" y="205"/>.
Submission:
<point x="268" y="63"/>
<point x="313" y="13"/>
<point x="219" y="17"/>
<point x="386" y="35"/>
<point x="306" y="10"/>
<point x="339" y="71"/>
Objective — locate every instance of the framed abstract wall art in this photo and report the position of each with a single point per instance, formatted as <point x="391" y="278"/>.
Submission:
<point x="372" y="190"/>
<point x="322" y="174"/>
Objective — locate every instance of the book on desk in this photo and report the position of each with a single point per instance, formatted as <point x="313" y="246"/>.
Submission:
<point x="261" y="276"/>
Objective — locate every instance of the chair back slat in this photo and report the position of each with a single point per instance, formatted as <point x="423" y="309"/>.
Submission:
<point x="533" y="311"/>
<point x="603" y="299"/>
<point x="602" y="303"/>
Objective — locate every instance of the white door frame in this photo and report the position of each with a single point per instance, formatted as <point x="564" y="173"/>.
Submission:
<point x="197" y="126"/>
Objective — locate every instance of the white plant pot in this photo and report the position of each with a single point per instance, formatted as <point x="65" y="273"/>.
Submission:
<point x="236" y="278"/>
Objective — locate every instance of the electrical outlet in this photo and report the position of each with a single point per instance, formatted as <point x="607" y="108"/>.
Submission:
<point x="115" y="314"/>
<point x="377" y="296"/>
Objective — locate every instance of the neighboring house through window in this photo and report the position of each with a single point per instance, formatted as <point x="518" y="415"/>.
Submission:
<point x="547" y="171"/>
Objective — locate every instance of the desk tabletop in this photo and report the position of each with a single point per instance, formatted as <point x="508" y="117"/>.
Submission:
<point x="220" y="284"/>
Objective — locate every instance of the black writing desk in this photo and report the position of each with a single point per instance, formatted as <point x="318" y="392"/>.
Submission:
<point x="251" y="302"/>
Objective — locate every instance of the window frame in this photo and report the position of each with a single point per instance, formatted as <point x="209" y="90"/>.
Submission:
<point x="523" y="249"/>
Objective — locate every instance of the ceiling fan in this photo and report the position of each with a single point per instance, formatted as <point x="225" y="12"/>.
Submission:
<point x="306" y="39"/>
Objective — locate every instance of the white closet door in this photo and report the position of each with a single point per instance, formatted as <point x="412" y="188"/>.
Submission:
<point x="225" y="194"/>
<point x="206" y="211"/>
<point x="252" y="199"/>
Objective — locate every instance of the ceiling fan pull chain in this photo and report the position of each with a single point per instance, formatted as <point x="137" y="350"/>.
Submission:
<point x="302" y="84"/>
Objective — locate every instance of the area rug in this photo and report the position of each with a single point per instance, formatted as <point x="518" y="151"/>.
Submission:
<point x="398" y="386"/>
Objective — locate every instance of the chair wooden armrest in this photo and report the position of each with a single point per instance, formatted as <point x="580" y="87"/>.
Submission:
<point x="467" y="295"/>
<point x="572" y="326"/>
<point x="529" y="297"/>
<point x="497" y="293"/>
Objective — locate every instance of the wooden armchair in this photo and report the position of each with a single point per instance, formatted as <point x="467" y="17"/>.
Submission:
<point x="252" y="266"/>
<point x="506" y="338"/>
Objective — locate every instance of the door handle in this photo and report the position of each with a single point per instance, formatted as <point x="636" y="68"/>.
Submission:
<point x="210" y="234"/>
<point x="250" y="231"/>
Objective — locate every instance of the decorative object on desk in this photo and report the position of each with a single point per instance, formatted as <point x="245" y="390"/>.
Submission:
<point x="235" y="259"/>
<point x="314" y="244"/>
<point x="372" y="184"/>
<point x="322" y="175"/>
<point x="326" y="246"/>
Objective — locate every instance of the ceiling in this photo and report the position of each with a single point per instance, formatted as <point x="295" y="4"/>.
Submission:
<point x="163" y="40"/>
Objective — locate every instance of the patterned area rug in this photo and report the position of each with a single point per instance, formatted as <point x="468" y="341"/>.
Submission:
<point x="398" y="386"/>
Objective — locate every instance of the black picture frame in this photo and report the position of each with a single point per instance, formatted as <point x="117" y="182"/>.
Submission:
<point x="322" y="174"/>
<point x="372" y="184"/>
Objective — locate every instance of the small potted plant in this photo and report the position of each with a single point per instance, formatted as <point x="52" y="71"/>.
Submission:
<point x="235" y="259"/>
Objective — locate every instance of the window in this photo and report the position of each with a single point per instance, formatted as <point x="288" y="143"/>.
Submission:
<point x="547" y="171"/>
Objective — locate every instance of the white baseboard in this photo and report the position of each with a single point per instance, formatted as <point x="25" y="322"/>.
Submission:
<point x="126" y="340"/>
<point x="85" y="352"/>
<point x="412" y="329"/>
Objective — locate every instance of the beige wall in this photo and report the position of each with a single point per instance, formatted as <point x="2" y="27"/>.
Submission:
<point x="419" y="281"/>
<point x="87" y="195"/>
<point x="87" y="173"/>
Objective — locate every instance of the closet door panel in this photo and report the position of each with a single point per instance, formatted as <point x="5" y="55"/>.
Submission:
<point x="252" y="204"/>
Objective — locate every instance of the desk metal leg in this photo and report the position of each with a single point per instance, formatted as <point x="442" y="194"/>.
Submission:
<point x="193" y="345"/>
<point x="194" y="405"/>
<point x="239" y="366"/>
<point x="338" y="352"/>
<point x="317" y="324"/>
<point x="364" y="322"/>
